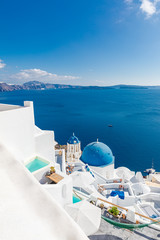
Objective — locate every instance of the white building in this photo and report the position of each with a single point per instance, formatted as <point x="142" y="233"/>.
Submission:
<point x="19" y="133"/>
<point x="29" y="208"/>
<point x="73" y="149"/>
<point x="26" y="142"/>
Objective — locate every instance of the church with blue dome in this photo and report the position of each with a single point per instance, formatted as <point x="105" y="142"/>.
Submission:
<point x="73" y="149"/>
<point x="73" y="140"/>
<point x="100" y="157"/>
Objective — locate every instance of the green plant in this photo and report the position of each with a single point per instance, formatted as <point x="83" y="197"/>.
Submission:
<point x="114" y="211"/>
<point x="52" y="170"/>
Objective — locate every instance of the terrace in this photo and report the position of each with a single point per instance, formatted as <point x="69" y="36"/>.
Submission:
<point x="7" y="107"/>
<point x="106" y="189"/>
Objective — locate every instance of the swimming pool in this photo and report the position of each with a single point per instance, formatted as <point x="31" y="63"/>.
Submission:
<point x="76" y="199"/>
<point x="36" y="164"/>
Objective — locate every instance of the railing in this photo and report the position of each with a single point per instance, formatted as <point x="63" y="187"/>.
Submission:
<point x="81" y="193"/>
<point x="141" y="215"/>
<point x="77" y="195"/>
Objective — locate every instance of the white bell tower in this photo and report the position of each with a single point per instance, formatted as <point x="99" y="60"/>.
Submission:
<point x="73" y="149"/>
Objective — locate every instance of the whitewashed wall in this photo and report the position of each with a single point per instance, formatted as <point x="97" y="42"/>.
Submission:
<point x="106" y="172"/>
<point x="16" y="131"/>
<point x="28" y="212"/>
<point x="62" y="191"/>
<point x="44" y="145"/>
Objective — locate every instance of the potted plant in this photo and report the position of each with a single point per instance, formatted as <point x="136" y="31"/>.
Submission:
<point x="52" y="170"/>
<point x="114" y="211"/>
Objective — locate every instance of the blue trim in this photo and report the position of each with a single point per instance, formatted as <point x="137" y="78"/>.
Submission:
<point x="73" y="140"/>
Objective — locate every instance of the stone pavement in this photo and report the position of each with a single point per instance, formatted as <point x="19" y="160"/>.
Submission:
<point x="109" y="232"/>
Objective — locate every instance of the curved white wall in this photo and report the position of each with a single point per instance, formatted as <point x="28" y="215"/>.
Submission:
<point x="62" y="192"/>
<point x="28" y="212"/>
<point x="106" y="172"/>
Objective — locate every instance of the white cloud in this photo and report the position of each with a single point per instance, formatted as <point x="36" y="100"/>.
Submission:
<point x="2" y="64"/>
<point x="148" y="7"/>
<point x="40" y="75"/>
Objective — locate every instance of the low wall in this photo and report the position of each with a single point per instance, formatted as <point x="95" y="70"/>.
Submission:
<point x="155" y="189"/>
<point x="61" y="192"/>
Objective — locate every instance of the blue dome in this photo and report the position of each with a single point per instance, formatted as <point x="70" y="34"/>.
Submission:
<point x="97" y="154"/>
<point x="73" y="140"/>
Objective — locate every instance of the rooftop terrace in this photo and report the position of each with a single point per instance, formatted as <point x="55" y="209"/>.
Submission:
<point x="6" y="107"/>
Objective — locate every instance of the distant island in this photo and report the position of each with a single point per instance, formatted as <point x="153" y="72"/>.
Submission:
<point x="36" y="85"/>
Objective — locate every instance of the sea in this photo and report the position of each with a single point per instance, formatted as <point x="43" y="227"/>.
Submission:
<point x="134" y="114"/>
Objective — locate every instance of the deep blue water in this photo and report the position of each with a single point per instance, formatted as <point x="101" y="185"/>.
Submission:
<point x="134" y="114"/>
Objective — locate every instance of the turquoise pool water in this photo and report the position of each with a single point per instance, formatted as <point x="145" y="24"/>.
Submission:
<point x="35" y="165"/>
<point x="75" y="199"/>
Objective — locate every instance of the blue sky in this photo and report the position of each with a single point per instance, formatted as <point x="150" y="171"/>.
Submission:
<point x="98" y="42"/>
